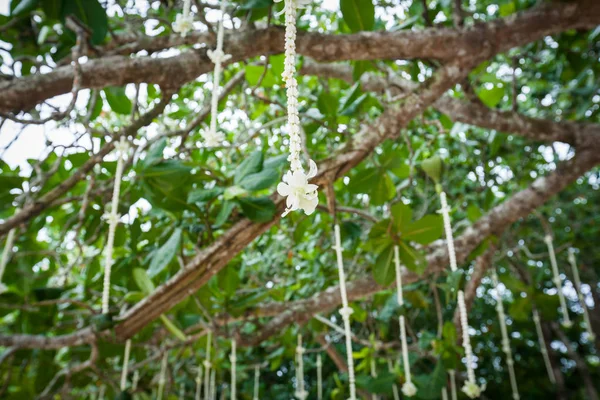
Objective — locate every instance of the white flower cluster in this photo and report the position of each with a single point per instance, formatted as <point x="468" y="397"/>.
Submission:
<point x="122" y="147"/>
<point x="445" y="210"/>
<point x="470" y="388"/>
<point x="556" y="279"/>
<point x="304" y="196"/>
<point x="345" y="311"/>
<point x="213" y="138"/>
<point x="300" y="194"/>
<point x="505" y="339"/>
<point x="184" y="23"/>
<point x="586" y="315"/>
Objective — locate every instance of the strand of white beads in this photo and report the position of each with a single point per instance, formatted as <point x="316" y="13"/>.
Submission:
<point x="300" y="194"/>
<point x="345" y="311"/>
<point x="184" y="23"/>
<point x="586" y="315"/>
<point x="6" y="253"/>
<point x="233" y="359"/>
<point x="319" y="377"/>
<point x="207" y="365"/>
<point x="113" y="219"/>
<point x="556" y="279"/>
<point x="125" y="364"/>
<point x="163" y="375"/>
<point x="453" y="383"/>
<point x="505" y="339"/>
<point x="198" y="395"/>
<point x="301" y="393"/>
<point x="542" y="343"/>
<point x="256" y="382"/>
<point x="213" y="138"/>
<point x="444" y="393"/>
<point x="471" y="389"/>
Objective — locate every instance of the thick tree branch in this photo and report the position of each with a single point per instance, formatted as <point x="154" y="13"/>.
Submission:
<point x="480" y="40"/>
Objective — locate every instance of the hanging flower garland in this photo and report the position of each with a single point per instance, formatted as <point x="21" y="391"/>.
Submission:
<point x="162" y="379"/>
<point x="345" y="311"/>
<point x="433" y="168"/>
<point x="300" y="393"/>
<point x="408" y="388"/>
<point x="256" y="382"/>
<point x="184" y="23"/>
<point x="198" y="384"/>
<point x="233" y="359"/>
<point x="586" y="315"/>
<point x="213" y="138"/>
<point x="300" y="194"/>
<point x="6" y="252"/>
<point x="556" y="279"/>
<point x="542" y="343"/>
<point x="505" y="339"/>
<point x="113" y="219"/>
<point x="207" y="365"/>
<point x="125" y="365"/>
<point x="453" y="383"/>
<point x="319" y="377"/>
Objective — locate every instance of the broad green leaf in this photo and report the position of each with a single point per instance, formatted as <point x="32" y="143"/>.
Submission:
<point x="251" y="165"/>
<point x="430" y="385"/>
<point x="224" y="213"/>
<point x="507" y="9"/>
<point x="384" y="271"/>
<point x="363" y="180"/>
<point x="163" y="256"/>
<point x="155" y="153"/>
<point x="425" y="230"/>
<point x="118" y="100"/>
<point x="257" y="209"/>
<point x="233" y="192"/>
<point x="381" y="384"/>
<point x="229" y="279"/>
<point x="359" y="15"/>
<point x="260" y="180"/>
<point x="204" y="195"/>
<point x="171" y="327"/>
<point x="411" y="258"/>
<point x="254" y="74"/>
<point x="491" y="97"/>
<point x="276" y="63"/>
<point x="433" y="168"/>
<point x="401" y="216"/>
<point x="474" y="213"/>
<point x="382" y="190"/>
<point x="143" y="281"/>
<point x="91" y="13"/>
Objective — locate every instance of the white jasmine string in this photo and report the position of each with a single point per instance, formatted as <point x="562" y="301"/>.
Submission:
<point x="556" y="279"/>
<point x="218" y="57"/>
<point x="184" y="22"/>
<point x="198" y="384"/>
<point x="256" y="382"/>
<point x="125" y="364"/>
<point x="113" y="219"/>
<point x="233" y="359"/>
<point x="444" y="393"/>
<point x="319" y="377"/>
<point x="373" y="374"/>
<point x="505" y="339"/>
<point x="345" y="311"/>
<point x="445" y="210"/>
<point x="134" y="383"/>
<point x="408" y="389"/>
<point x="300" y="194"/>
<point x="300" y="392"/>
<point x="162" y="378"/>
<point x="6" y="253"/>
<point x="453" y="383"/>
<point x="400" y="295"/>
<point x="542" y="343"/>
<point x="586" y="315"/>
<point x="213" y="385"/>
<point x="394" y="386"/>
<point x="207" y="366"/>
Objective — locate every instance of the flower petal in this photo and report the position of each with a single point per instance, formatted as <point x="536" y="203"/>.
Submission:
<point x="283" y="189"/>
<point x="312" y="172"/>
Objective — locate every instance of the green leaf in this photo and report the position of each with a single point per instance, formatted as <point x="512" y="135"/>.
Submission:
<point x="384" y="271"/>
<point x="491" y="97"/>
<point x="260" y="180"/>
<point x="433" y="168"/>
<point x="401" y="216"/>
<point x="155" y="154"/>
<point x="507" y="9"/>
<point x="381" y="384"/>
<point x="143" y="281"/>
<point x="118" y="100"/>
<point x="257" y="209"/>
<point x="229" y="279"/>
<point x="171" y="327"/>
<point x="425" y="230"/>
<point x="165" y="253"/>
<point x="474" y="213"/>
<point x="359" y="15"/>
<point x="224" y="213"/>
<point x="382" y="190"/>
<point x="47" y="293"/>
<point x="254" y="73"/>
<point x="24" y="6"/>
<point x="204" y="195"/>
<point x="363" y="180"/>
<point x="431" y="385"/>
<point x="91" y="13"/>
<point x="411" y="258"/>
<point x="52" y="8"/>
<point x="251" y="165"/>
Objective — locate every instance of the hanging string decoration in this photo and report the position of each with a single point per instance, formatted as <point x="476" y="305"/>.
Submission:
<point x="505" y="339"/>
<point x="184" y="23"/>
<point x="207" y="365"/>
<point x="198" y="384"/>
<point x="586" y="315"/>
<point x="113" y="219"/>
<point x="556" y="279"/>
<point x="542" y="343"/>
<point x="300" y="393"/>
<point x="213" y="138"/>
<point x="162" y="379"/>
<point x="213" y="385"/>
<point x="125" y="364"/>
<point x="453" y="383"/>
<point x="256" y="382"/>
<point x="319" y="377"/>
<point x="408" y="388"/>
<point x="470" y="388"/>
<point x="300" y="194"/>
<point x="6" y="252"/>
<point x="233" y="359"/>
<point x="345" y="311"/>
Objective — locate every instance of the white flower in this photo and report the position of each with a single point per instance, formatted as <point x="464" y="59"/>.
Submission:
<point x="183" y="24"/>
<point x="409" y="389"/>
<point x="300" y="194"/>
<point x="217" y="56"/>
<point x="472" y="390"/>
<point x="299" y="3"/>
